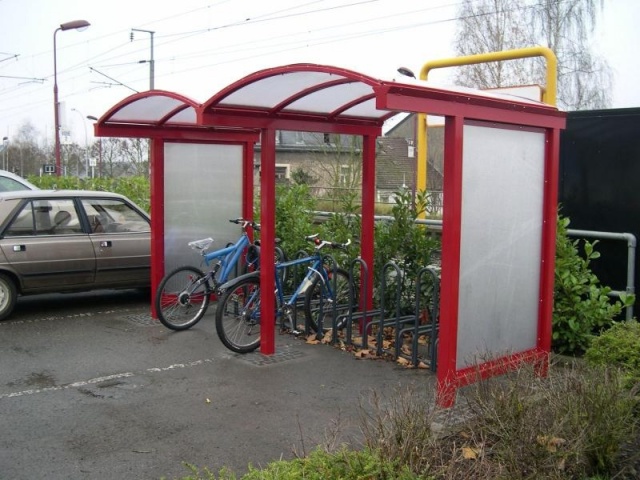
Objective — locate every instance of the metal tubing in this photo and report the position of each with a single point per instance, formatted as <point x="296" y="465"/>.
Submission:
<point x="630" y="238"/>
<point x="549" y="93"/>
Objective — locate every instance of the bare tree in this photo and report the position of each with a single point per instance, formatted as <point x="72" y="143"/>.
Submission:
<point x="492" y="26"/>
<point x="584" y="80"/>
<point x="26" y="156"/>
<point x="341" y="165"/>
<point x="111" y="156"/>
<point x="136" y="155"/>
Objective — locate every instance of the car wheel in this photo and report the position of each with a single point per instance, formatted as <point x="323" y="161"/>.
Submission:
<point x="8" y="296"/>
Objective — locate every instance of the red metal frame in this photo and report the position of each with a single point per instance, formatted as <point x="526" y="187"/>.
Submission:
<point x="157" y="207"/>
<point x="157" y="218"/>
<point x="368" y="212"/>
<point x="449" y="377"/>
<point x="220" y="122"/>
<point x="267" y="240"/>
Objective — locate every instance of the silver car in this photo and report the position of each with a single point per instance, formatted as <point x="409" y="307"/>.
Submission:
<point x="10" y="182"/>
<point x="70" y="240"/>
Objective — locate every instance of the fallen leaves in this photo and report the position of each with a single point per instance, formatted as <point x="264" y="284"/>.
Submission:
<point x="550" y="443"/>
<point x="471" y="453"/>
<point x="367" y="347"/>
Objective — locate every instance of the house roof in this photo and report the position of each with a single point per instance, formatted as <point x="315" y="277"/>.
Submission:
<point x="395" y="168"/>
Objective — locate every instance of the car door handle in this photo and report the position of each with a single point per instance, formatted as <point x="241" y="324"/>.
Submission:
<point x="105" y="244"/>
<point x="19" y="248"/>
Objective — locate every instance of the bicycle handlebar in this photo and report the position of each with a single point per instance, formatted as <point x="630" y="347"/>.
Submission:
<point x="246" y="223"/>
<point x="324" y="243"/>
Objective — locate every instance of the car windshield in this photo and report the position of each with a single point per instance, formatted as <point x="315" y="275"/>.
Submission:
<point x="11" y="185"/>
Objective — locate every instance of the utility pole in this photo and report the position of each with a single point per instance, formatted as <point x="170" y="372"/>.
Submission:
<point x="150" y="61"/>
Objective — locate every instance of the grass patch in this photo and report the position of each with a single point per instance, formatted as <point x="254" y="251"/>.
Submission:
<point x="573" y="424"/>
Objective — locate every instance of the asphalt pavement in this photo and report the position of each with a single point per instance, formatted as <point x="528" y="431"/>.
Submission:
<point x="92" y="388"/>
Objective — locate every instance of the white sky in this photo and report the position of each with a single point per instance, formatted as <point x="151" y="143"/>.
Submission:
<point x="200" y="46"/>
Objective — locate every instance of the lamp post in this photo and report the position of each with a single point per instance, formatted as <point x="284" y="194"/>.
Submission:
<point x="86" y="142"/>
<point x="73" y="25"/>
<point x="95" y="119"/>
<point x="5" y="160"/>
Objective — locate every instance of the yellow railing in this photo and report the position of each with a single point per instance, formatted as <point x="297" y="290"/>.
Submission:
<point x="548" y="95"/>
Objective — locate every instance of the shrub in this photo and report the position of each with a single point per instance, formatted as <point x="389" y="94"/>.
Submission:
<point x="618" y="347"/>
<point x="582" y="306"/>
<point x="400" y="428"/>
<point x="135" y="188"/>
<point x="294" y="218"/>
<point x="406" y="243"/>
<point x="343" y="225"/>
<point x="344" y="464"/>
<point x="569" y="425"/>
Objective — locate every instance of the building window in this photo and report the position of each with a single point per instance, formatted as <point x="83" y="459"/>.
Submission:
<point x="282" y="172"/>
<point x="345" y="175"/>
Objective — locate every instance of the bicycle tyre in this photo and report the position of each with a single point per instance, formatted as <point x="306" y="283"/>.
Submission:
<point x="314" y="296"/>
<point x="238" y="316"/>
<point x="177" y="307"/>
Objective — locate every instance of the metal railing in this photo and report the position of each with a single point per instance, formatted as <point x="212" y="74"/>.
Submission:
<point x="436" y="225"/>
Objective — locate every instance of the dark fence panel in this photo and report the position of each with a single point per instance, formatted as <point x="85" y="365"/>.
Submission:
<point x="600" y="183"/>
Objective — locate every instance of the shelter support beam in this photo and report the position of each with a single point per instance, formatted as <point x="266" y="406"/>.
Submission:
<point x="247" y="183"/>
<point x="451" y="238"/>
<point x="157" y="215"/>
<point x="267" y="238"/>
<point x="368" y="212"/>
<point x="549" y="227"/>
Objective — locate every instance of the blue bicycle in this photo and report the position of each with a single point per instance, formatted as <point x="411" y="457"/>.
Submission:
<point x="325" y="291"/>
<point x="184" y="294"/>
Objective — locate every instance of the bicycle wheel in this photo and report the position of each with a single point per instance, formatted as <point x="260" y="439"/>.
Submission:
<point x="238" y="316"/>
<point x="252" y="262"/>
<point x="315" y="299"/>
<point x="182" y="298"/>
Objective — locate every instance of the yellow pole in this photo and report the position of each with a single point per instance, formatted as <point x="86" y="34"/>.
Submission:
<point x="548" y="95"/>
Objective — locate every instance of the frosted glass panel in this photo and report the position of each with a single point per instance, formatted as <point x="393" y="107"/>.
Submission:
<point x="501" y="234"/>
<point x="202" y="191"/>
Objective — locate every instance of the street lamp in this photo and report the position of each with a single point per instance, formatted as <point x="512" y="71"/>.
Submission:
<point x="73" y="25"/>
<point x="95" y="119"/>
<point x="5" y="144"/>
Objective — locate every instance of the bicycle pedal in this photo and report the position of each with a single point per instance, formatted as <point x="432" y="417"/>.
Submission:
<point x="341" y="324"/>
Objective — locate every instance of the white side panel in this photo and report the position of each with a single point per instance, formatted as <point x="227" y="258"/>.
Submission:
<point x="501" y="235"/>
<point x="202" y="190"/>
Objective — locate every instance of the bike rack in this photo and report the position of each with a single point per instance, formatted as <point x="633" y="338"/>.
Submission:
<point x="330" y="261"/>
<point x="351" y="315"/>
<point x="427" y="282"/>
<point x="419" y="328"/>
<point x="295" y="279"/>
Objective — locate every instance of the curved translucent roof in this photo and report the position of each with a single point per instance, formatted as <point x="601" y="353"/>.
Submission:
<point x="303" y="92"/>
<point x="305" y="97"/>
<point x="155" y="107"/>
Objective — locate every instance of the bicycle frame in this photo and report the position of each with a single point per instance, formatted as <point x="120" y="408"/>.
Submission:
<point x="286" y="306"/>
<point x="316" y="267"/>
<point x="228" y="258"/>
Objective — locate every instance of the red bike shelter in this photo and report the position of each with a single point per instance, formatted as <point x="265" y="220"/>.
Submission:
<point x="500" y="192"/>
